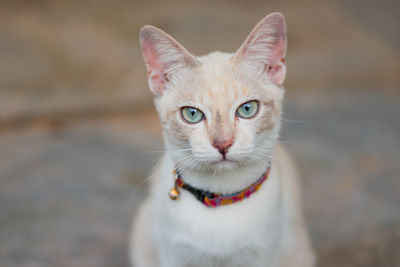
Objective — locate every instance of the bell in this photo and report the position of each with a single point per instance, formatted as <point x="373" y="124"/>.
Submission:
<point x="174" y="194"/>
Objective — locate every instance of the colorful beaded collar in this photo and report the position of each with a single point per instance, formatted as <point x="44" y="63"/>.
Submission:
<point x="214" y="200"/>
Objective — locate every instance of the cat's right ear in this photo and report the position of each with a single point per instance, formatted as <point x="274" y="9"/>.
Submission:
<point x="163" y="56"/>
<point x="266" y="45"/>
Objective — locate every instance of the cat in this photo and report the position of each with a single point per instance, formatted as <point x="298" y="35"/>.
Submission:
<point x="225" y="194"/>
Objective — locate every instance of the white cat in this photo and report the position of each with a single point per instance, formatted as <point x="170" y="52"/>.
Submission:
<point x="225" y="194"/>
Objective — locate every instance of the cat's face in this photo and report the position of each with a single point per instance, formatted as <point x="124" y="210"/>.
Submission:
<point x="221" y="111"/>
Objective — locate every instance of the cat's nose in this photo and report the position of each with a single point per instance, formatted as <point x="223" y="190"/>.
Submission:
<point x="222" y="145"/>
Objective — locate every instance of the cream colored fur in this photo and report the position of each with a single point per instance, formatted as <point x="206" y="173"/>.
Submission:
<point x="266" y="229"/>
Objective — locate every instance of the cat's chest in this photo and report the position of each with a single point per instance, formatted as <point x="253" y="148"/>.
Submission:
<point x="187" y="223"/>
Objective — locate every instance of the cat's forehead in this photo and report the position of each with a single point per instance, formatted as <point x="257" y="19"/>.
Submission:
<point x="219" y="80"/>
<point x="216" y="61"/>
<point x="221" y="89"/>
<point x="219" y="84"/>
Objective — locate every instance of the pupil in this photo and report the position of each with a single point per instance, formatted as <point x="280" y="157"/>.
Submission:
<point x="192" y="112"/>
<point x="247" y="107"/>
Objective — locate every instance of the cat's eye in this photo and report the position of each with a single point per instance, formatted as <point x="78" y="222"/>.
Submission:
<point x="191" y="115"/>
<point x="247" y="110"/>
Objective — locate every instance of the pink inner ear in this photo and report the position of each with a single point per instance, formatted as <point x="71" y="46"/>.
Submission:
<point x="278" y="51"/>
<point x="156" y="69"/>
<point x="266" y="44"/>
<point x="276" y="63"/>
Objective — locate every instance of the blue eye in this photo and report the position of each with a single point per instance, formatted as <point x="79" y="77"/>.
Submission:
<point x="247" y="110"/>
<point x="192" y="115"/>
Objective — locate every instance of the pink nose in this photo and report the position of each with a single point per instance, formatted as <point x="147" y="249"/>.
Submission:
<point x="222" y="145"/>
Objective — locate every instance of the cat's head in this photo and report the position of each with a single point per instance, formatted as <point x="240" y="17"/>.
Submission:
<point x="221" y="111"/>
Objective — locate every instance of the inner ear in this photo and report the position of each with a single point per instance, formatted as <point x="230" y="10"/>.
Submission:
<point x="163" y="56"/>
<point x="266" y="45"/>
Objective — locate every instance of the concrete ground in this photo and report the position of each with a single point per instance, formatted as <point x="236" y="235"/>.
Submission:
<point x="78" y="133"/>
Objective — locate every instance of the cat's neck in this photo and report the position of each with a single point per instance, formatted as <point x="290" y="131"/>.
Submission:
<point x="225" y="182"/>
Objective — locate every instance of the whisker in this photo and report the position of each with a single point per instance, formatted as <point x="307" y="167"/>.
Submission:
<point x="148" y="178"/>
<point x="185" y="163"/>
<point x="141" y="182"/>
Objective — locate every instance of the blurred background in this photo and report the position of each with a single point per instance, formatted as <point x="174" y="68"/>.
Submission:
<point x="79" y="133"/>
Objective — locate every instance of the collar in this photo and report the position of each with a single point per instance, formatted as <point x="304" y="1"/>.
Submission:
<point x="211" y="199"/>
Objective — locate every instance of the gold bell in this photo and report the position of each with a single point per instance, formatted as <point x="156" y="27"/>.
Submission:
<point x="174" y="194"/>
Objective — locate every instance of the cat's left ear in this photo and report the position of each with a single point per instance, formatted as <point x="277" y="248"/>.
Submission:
<point x="163" y="56"/>
<point x="267" y="45"/>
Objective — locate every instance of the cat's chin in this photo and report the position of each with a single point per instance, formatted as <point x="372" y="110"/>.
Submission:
<point x="224" y="165"/>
